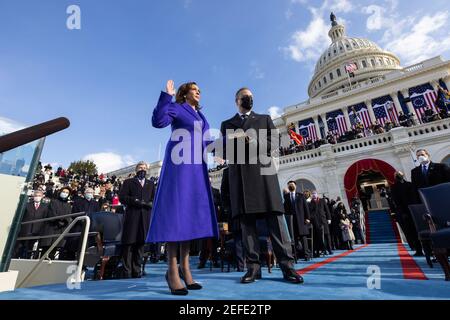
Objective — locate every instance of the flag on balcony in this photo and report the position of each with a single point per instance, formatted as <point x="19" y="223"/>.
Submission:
<point x="308" y="129"/>
<point x="295" y="137"/>
<point x="362" y="115"/>
<point x="384" y="110"/>
<point x="336" y="122"/>
<point x="423" y="97"/>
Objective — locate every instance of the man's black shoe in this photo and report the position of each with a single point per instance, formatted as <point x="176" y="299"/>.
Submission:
<point x="418" y="254"/>
<point x="251" y="275"/>
<point x="292" y="277"/>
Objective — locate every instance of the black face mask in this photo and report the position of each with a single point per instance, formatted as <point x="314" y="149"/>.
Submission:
<point x="291" y="189"/>
<point x="247" y="102"/>
<point x="141" y="174"/>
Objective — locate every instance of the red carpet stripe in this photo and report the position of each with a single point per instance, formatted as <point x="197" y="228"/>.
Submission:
<point x="410" y="268"/>
<point x="327" y="261"/>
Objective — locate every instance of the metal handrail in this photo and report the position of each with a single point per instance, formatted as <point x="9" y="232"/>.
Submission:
<point x="69" y="235"/>
<point x="53" y="246"/>
<point x="54" y="218"/>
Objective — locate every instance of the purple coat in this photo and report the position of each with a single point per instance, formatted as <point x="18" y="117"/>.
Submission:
<point x="183" y="208"/>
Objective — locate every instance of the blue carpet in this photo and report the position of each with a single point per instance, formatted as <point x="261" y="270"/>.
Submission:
<point x="380" y="227"/>
<point x="344" y="279"/>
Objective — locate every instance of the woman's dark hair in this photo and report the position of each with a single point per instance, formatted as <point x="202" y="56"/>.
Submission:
<point x="183" y="91"/>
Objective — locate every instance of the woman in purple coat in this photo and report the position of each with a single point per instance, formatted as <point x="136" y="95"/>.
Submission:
<point x="183" y="209"/>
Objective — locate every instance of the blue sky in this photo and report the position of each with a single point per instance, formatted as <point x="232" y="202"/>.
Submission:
<point x="106" y="77"/>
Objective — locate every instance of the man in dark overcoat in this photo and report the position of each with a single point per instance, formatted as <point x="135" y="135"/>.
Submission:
<point x="254" y="187"/>
<point x="137" y="195"/>
<point x="296" y="211"/>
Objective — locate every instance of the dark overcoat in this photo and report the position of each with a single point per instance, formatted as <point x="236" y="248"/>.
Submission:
<point x="137" y="215"/>
<point x="252" y="189"/>
<point x="300" y="211"/>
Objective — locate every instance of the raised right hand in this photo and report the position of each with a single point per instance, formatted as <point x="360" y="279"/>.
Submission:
<point x="170" y="87"/>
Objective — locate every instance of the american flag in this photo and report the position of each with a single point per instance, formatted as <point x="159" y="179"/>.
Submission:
<point x="336" y="122"/>
<point x="351" y="67"/>
<point x="308" y="129"/>
<point x="385" y="114"/>
<point x="384" y="109"/>
<point x="423" y="97"/>
<point x="362" y="114"/>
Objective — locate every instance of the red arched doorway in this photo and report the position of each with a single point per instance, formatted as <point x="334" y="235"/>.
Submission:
<point x="362" y="166"/>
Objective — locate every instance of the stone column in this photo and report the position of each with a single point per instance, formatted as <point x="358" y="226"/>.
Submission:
<point x="397" y="104"/>
<point x="373" y="119"/>
<point x="447" y="82"/>
<point x="410" y="106"/>
<point x="347" y="118"/>
<point x="316" y="123"/>
<point x="435" y="85"/>
<point x="325" y="123"/>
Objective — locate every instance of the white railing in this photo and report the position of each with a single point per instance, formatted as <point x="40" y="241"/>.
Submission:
<point x="78" y="277"/>
<point x="361" y="143"/>
<point x="413" y="68"/>
<point x="428" y="128"/>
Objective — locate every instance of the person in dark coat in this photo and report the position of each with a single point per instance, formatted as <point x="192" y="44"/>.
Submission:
<point x="428" y="174"/>
<point x="321" y="218"/>
<point x="254" y="187"/>
<point x="35" y="210"/>
<point x="85" y="204"/>
<point x="404" y="194"/>
<point x="137" y="195"/>
<point x="58" y="207"/>
<point x="297" y="215"/>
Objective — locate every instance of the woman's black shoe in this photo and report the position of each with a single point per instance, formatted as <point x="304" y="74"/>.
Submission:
<point x="176" y="292"/>
<point x="193" y="286"/>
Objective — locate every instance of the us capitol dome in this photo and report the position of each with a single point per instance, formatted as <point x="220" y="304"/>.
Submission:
<point x="330" y="73"/>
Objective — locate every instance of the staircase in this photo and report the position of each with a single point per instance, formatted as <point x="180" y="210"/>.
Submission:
<point x="380" y="227"/>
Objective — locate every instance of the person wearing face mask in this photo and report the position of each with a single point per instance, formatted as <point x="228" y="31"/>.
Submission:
<point x="36" y="209"/>
<point x="58" y="207"/>
<point x="404" y="194"/>
<point x="428" y="173"/>
<point x="296" y="212"/>
<point x="321" y="218"/>
<point x="137" y="195"/>
<point x="88" y="205"/>
<point x="254" y="192"/>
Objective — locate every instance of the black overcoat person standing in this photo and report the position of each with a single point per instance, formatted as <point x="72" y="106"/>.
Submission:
<point x="254" y="187"/>
<point x="298" y="218"/>
<point x="137" y="195"/>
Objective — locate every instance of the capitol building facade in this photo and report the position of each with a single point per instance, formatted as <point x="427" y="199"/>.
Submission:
<point x="378" y="84"/>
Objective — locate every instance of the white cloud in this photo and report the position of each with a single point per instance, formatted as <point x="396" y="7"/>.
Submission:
<point x="339" y="6"/>
<point x="413" y="39"/>
<point x="110" y="161"/>
<point x="309" y="43"/>
<point x="8" y="125"/>
<point x="275" y="112"/>
<point x="377" y="19"/>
